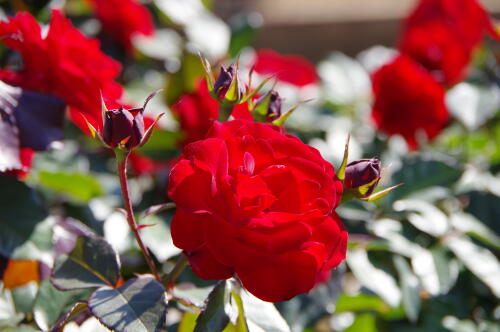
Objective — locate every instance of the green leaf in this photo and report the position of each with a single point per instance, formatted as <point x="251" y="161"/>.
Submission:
<point x="75" y="311"/>
<point x="375" y="279"/>
<point x="24" y="297"/>
<point x="263" y="314"/>
<point x="361" y="302"/>
<point x="428" y="218"/>
<point x="188" y="322"/>
<point x="420" y="174"/>
<point x="409" y="287"/>
<point x="20" y="212"/>
<point x="185" y="79"/>
<point x="193" y="295"/>
<point x="473" y="227"/>
<point x="216" y="314"/>
<point x="161" y="144"/>
<point x="139" y="305"/>
<point x="79" y="187"/>
<point x="365" y="323"/>
<point x="480" y="261"/>
<point x="21" y="328"/>
<point x="51" y="303"/>
<point x="241" y="323"/>
<point x="92" y="263"/>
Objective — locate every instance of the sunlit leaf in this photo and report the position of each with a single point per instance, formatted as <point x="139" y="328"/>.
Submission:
<point x="373" y="278"/>
<point x="78" y="186"/>
<point x="479" y="261"/>
<point x="92" y="263"/>
<point x="410" y="288"/>
<point x="51" y="303"/>
<point x="137" y="306"/>
<point x="218" y="310"/>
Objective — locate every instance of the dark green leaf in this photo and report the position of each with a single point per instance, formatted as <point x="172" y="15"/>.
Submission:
<point x="137" y="306"/>
<point x="51" y="303"/>
<point x="80" y="187"/>
<point x="92" y="263"/>
<point x="215" y="316"/>
<point x="418" y="174"/>
<point x="20" y="212"/>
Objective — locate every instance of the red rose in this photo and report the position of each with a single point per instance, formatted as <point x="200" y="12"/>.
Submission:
<point x="122" y="19"/>
<point x="65" y="63"/>
<point x="443" y="34"/>
<point x="197" y="112"/>
<point x="258" y="203"/>
<point x="293" y="69"/>
<point x="408" y="100"/>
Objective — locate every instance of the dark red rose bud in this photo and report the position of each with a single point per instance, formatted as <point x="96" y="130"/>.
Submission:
<point x="270" y="105"/>
<point x="228" y="87"/>
<point x="123" y="128"/>
<point x="362" y="176"/>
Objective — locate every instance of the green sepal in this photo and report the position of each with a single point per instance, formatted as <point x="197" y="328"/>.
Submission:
<point x="343" y="165"/>
<point x="281" y="120"/>
<point x="207" y="68"/>
<point x="381" y="193"/>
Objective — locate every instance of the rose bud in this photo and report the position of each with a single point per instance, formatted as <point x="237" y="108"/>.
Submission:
<point x="268" y="107"/>
<point x="228" y="87"/>
<point x="361" y="177"/>
<point x="123" y="127"/>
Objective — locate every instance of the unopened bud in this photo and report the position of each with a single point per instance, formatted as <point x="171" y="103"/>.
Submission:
<point x="228" y="87"/>
<point x="362" y="176"/>
<point x="268" y="107"/>
<point x="123" y="128"/>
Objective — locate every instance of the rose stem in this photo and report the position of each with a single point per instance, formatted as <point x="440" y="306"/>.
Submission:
<point x="177" y="270"/>
<point x="121" y="161"/>
<point x="225" y="111"/>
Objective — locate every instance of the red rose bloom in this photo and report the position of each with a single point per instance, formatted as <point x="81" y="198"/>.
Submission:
<point x="258" y="203"/>
<point x="65" y="63"/>
<point x="408" y="100"/>
<point x="197" y="112"/>
<point x="122" y="19"/>
<point x="443" y="34"/>
<point x="293" y="69"/>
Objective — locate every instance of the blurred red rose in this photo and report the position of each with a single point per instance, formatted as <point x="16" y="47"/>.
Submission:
<point x="197" y="112"/>
<point x="122" y="19"/>
<point x="443" y="34"/>
<point x="256" y="202"/>
<point x="293" y="69"/>
<point x="408" y="100"/>
<point x="65" y="63"/>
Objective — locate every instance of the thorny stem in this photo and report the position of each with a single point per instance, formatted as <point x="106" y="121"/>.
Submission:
<point x="121" y="161"/>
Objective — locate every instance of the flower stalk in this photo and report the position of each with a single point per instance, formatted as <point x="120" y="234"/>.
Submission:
<point x="121" y="161"/>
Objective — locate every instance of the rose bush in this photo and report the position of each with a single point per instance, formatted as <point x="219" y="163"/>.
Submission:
<point x="258" y="203"/>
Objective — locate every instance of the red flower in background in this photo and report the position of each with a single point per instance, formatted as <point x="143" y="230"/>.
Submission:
<point x="197" y="112"/>
<point x="258" y="203"/>
<point x="443" y="34"/>
<point x="65" y="63"/>
<point x="293" y="69"/>
<point x="408" y="100"/>
<point x="122" y="19"/>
